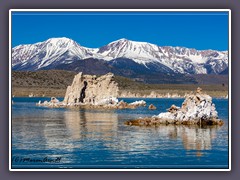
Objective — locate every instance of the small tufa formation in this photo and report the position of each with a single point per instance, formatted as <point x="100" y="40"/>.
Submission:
<point x="54" y="100"/>
<point x="152" y="107"/>
<point x="133" y="105"/>
<point x="196" y="109"/>
<point x="173" y="109"/>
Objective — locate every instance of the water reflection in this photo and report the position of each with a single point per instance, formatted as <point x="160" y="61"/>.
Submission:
<point x="192" y="137"/>
<point x="145" y="140"/>
<point x="100" y="137"/>
<point x="61" y="130"/>
<point x="198" y="138"/>
<point x="82" y="124"/>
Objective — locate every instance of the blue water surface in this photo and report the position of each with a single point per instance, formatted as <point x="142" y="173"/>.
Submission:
<point x="79" y="138"/>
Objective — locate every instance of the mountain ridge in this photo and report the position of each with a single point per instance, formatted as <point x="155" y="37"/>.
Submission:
<point x="59" y="52"/>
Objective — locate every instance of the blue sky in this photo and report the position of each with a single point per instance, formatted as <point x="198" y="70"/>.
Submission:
<point x="200" y="30"/>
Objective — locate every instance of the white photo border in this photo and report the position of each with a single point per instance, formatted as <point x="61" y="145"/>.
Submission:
<point x="118" y="10"/>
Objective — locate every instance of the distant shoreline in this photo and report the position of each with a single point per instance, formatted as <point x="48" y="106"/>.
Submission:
<point x="61" y="93"/>
<point x="119" y="97"/>
<point x="51" y="83"/>
<point x="164" y="91"/>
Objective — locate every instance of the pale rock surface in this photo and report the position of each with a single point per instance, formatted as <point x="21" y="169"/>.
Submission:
<point x="196" y="109"/>
<point x="152" y="107"/>
<point x="138" y="103"/>
<point x="96" y="90"/>
<point x="54" y="100"/>
<point x="195" y="106"/>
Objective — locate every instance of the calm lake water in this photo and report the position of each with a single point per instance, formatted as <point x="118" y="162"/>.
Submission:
<point x="66" y="138"/>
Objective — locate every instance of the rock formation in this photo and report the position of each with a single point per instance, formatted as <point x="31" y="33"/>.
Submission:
<point x="54" y="100"/>
<point x="152" y="107"/>
<point x="91" y="92"/>
<point x="133" y="105"/>
<point x="90" y="89"/>
<point x="196" y="109"/>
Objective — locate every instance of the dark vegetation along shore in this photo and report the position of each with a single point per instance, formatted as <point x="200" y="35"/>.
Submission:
<point x="54" y="83"/>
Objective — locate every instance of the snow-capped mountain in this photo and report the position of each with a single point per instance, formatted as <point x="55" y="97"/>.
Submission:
<point x="179" y="59"/>
<point x="61" y="52"/>
<point x="47" y="53"/>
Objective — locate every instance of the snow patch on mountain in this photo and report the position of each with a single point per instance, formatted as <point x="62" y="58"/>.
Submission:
<point x="55" y="51"/>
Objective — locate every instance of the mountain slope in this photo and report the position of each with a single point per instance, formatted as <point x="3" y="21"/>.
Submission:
<point x="64" y="53"/>
<point x="52" y="52"/>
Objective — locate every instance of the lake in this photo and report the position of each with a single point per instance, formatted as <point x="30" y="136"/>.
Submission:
<point x="79" y="138"/>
